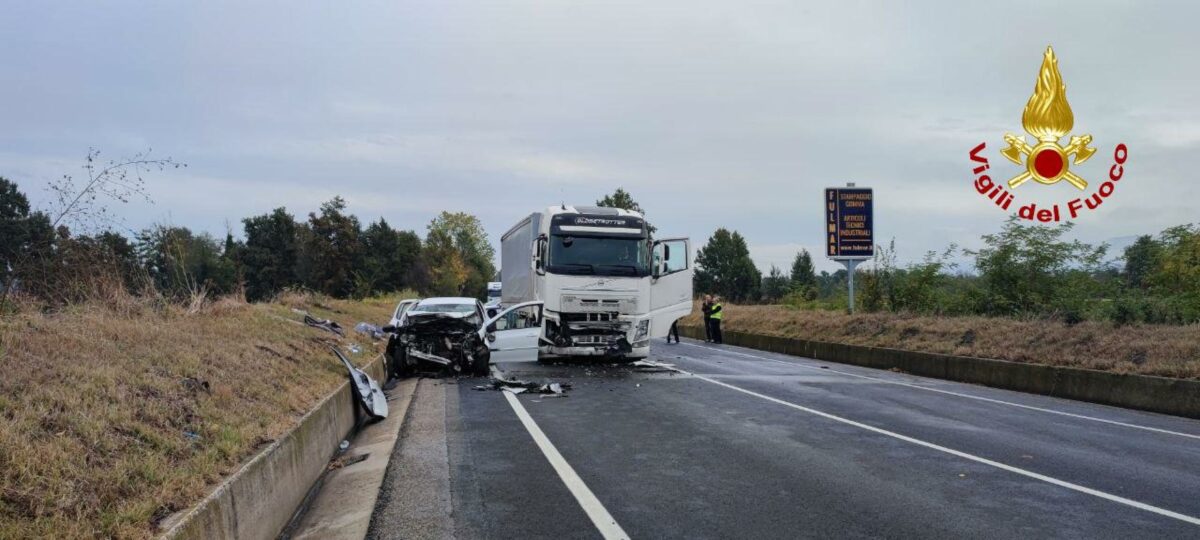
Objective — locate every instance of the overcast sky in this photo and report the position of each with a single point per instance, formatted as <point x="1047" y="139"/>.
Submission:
<point x="732" y="114"/>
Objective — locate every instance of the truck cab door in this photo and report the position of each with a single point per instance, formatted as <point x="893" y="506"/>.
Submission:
<point x="512" y="334"/>
<point x="671" y="286"/>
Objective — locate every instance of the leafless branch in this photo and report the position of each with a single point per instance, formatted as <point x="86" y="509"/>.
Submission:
<point x="116" y="180"/>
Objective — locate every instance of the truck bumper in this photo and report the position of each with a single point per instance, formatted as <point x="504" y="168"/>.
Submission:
<point x="547" y="351"/>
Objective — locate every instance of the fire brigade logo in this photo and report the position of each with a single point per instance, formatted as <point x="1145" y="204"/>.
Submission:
<point x="1047" y="118"/>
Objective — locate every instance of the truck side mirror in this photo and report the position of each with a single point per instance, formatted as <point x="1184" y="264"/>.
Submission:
<point x="540" y="256"/>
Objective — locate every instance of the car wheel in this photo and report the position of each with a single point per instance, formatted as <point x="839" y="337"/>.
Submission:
<point x="481" y="366"/>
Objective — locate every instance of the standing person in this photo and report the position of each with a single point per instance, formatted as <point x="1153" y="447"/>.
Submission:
<point x="716" y="315"/>
<point x="706" y="308"/>
<point x="674" y="331"/>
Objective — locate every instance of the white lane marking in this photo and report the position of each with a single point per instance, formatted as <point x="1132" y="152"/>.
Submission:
<point x="947" y="392"/>
<point x="964" y="455"/>
<point x="604" y="522"/>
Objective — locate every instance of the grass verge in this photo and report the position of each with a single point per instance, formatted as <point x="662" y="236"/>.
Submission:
<point x="115" y="415"/>
<point x="1162" y="350"/>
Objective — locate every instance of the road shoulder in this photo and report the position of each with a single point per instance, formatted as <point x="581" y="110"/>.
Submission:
<point x="344" y="504"/>
<point x="414" y="501"/>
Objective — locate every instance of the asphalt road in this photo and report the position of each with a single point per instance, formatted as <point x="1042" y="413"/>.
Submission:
<point x="736" y="443"/>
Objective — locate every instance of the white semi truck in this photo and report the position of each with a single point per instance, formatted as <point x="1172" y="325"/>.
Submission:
<point x="607" y="287"/>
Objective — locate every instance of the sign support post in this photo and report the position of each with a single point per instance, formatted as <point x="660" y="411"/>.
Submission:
<point x="851" y="264"/>
<point x="849" y="229"/>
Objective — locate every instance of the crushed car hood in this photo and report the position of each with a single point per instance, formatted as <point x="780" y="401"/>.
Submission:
<point x="440" y="322"/>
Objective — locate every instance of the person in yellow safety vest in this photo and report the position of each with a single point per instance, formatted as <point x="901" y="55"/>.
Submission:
<point x="706" y="308"/>
<point x="715" y="315"/>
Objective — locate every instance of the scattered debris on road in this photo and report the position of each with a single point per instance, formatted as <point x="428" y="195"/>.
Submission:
<point x="514" y="386"/>
<point x="369" y="394"/>
<point x="644" y="366"/>
<point x="342" y="462"/>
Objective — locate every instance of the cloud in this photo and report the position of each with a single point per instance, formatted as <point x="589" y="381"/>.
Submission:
<point x="713" y="114"/>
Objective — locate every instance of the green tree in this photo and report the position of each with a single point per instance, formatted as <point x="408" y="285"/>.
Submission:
<point x="1030" y="269"/>
<point x="458" y="254"/>
<point x="182" y="264"/>
<point x="270" y="254"/>
<point x="1178" y="268"/>
<point x="24" y="234"/>
<point x="803" y="277"/>
<point x="121" y="255"/>
<point x="623" y="200"/>
<point x="391" y="257"/>
<point x="331" y="250"/>
<point x="775" y="284"/>
<point x="27" y="246"/>
<point x="1141" y="261"/>
<point x="724" y="267"/>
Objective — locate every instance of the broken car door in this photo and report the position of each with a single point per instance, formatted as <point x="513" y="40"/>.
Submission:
<point x="512" y="335"/>
<point x="671" y="289"/>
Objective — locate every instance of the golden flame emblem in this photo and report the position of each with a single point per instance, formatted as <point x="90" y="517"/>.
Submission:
<point x="1048" y="118"/>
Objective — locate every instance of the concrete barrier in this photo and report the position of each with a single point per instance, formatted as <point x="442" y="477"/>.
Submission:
<point x="1179" y="397"/>
<point x="260" y="498"/>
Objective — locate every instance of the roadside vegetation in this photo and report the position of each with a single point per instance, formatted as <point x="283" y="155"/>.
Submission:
<point x="1147" y="349"/>
<point x="1033" y="295"/>
<point x="120" y="411"/>
<point x="1022" y="272"/>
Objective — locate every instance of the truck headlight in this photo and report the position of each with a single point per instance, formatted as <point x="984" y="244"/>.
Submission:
<point x="643" y="329"/>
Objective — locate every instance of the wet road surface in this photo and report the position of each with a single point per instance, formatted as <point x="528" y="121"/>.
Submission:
<point x="726" y="442"/>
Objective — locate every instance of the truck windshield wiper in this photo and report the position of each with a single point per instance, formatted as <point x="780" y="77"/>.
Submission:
<point x="588" y="269"/>
<point x="633" y="270"/>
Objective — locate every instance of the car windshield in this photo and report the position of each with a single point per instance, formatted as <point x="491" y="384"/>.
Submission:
<point x="601" y="256"/>
<point x="444" y="308"/>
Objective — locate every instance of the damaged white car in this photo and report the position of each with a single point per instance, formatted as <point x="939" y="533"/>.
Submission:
<point x="453" y="334"/>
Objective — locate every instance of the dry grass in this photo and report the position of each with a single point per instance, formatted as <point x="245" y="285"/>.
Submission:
<point x="115" y="414"/>
<point x="1166" y="351"/>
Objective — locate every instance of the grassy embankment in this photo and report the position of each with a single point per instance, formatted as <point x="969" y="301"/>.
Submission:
<point x="114" y="415"/>
<point x="1162" y="350"/>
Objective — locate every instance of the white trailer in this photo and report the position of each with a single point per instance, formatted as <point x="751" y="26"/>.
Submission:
<point x="607" y="287"/>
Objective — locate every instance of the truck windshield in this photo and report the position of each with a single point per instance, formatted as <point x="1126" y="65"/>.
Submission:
<point x="600" y="256"/>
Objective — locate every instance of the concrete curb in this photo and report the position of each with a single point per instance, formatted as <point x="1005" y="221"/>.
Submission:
<point x="1179" y="397"/>
<point x="259" y="500"/>
<point x="345" y="502"/>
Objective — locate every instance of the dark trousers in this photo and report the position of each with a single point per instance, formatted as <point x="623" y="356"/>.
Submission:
<point x="707" y="329"/>
<point x="674" y="331"/>
<point x="715" y="330"/>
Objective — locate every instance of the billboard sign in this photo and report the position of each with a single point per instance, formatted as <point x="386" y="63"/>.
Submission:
<point x="849" y="223"/>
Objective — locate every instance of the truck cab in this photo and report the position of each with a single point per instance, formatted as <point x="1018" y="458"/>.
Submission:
<point x="608" y="288"/>
<point x="492" y="303"/>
